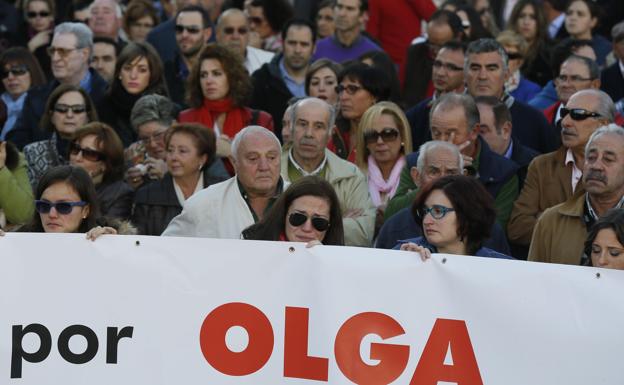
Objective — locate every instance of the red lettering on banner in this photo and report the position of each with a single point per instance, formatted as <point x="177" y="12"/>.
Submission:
<point x="431" y="367"/>
<point x="215" y="350"/>
<point x="297" y="363"/>
<point x="393" y="358"/>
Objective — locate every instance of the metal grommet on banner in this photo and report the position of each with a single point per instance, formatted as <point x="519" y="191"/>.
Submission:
<point x="291" y="249"/>
<point x="598" y="275"/>
<point x="443" y="260"/>
<point x="137" y="243"/>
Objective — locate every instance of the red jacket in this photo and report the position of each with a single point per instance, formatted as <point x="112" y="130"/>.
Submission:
<point x="551" y="112"/>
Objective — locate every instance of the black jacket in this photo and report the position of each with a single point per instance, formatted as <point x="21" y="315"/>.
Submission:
<point x="418" y="66"/>
<point x="175" y="82"/>
<point x="532" y="129"/>
<point x="115" y="199"/>
<point x="522" y="156"/>
<point x="612" y="82"/>
<point x="418" y="118"/>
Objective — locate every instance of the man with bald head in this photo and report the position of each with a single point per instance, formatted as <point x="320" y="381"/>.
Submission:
<point x="233" y="32"/>
<point x="225" y="209"/>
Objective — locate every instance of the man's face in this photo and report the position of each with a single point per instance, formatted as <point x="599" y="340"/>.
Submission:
<point x="439" y="162"/>
<point x="103" y="20"/>
<point x="233" y="32"/>
<point x="574" y="76"/>
<point x="603" y="174"/>
<point x="449" y="124"/>
<point x="67" y="61"/>
<point x="347" y="15"/>
<point x="258" y="22"/>
<point x="496" y="137"/>
<point x="448" y="70"/>
<point x="298" y="48"/>
<point x="618" y="50"/>
<point x="190" y="33"/>
<point x="576" y="133"/>
<point x="438" y="33"/>
<point x="485" y="75"/>
<point x="258" y="164"/>
<point x="311" y="131"/>
<point x="103" y="60"/>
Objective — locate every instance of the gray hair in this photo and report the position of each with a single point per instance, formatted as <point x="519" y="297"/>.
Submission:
<point x="152" y="108"/>
<point x="434" y="145"/>
<point x="617" y="32"/>
<point x="485" y="45"/>
<point x="118" y="11"/>
<point x="604" y="107"/>
<point x="452" y="100"/>
<point x="592" y="66"/>
<point x="330" y="108"/>
<point x="84" y="36"/>
<point x="249" y="130"/>
<point x="228" y="12"/>
<point x="610" y="128"/>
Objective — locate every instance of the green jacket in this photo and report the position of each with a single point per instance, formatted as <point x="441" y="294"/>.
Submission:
<point x="16" y="196"/>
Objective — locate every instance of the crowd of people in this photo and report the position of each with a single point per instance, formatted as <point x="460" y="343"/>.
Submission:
<point x="469" y="127"/>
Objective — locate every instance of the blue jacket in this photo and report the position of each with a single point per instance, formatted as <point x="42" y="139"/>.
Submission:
<point x="546" y="98"/>
<point x="482" y="252"/>
<point x="526" y="90"/>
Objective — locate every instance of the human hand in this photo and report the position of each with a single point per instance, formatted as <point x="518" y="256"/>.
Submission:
<point x="134" y="177"/>
<point x="424" y="252"/>
<point x="2" y="233"/>
<point x="95" y="232"/>
<point x="467" y="159"/>
<point x="40" y="39"/>
<point x="313" y="243"/>
<point x="3" y="154"/>
<point x="224" y="146"/>
<point x="156" y="168"/>
<point x="254" y="39"/>
<point x="353" y="213"/>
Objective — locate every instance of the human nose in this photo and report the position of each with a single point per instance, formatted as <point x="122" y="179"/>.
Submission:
<point x="263" y="163"/>
<point x="53" y="213"/>
<point x="602" y="258"/>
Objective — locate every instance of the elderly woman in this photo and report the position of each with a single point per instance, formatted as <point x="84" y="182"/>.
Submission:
<point x="517" y="85"/>
<point x="321" y="80"/>
<point x="139" y="19"/>
<point x="604" y="246"/>
<point x="308" y="211"/>
<point x="16" y="198"/>
<point x="190" y="152"/>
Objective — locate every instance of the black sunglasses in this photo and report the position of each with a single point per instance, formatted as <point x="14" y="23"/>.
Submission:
<point x="192" y="29"/>
<point x="63" y="208"/>
<point x="298" y="219"/>
<point x="387" y="135"/>
<point x="76" y="108"/>
<point x="87" y="153"/>
<point x="578" y="113"/>
<point x="231" y="30"/>
<point x="32" y="15"/>
<point x="15" y="71"/>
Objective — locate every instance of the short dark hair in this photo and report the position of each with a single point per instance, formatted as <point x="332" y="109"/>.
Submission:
<point x="563" y="50"/>
<point x="273" y="225"/>
<point x="21" y="55"/>
<point x="473" y="205"/>
<point x="450" y="18"/>
<point x="594" y="9"/>
<point x="454" y="45"/>
<point x="614" y="220"/>
<point x="109" y="41"/>
<point x="46" y="118"/>
<point x="499" y="109"/>
<point x="108" y="143"/>
<point x="276" y="12"/>
<point x="299" y="23"/>
<point x="137" y="9"/>
<point x="372" y="79"/>
<point x="203" y="136"/>
<point x="486" y="45"/>
<point x="206" y="22"/>
<point x="132" y="51"/>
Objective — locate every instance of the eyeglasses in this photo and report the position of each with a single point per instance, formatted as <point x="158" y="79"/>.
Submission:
<point x="63" y="208"/>
<point x="32" y="15"/>
<point x="87" y="153"/>
<point x="64" y="108"/>
<point x="15" y="71"/>
<point x="192" y="29"/>
<point x="578" y="113"/>
<point x="297" y="219"/>
<point x="63" y="52"/>
<point x="350" y="88"/>
<point x="387" y="135"/>
<point x="447" y="66"/>
<point x="157" y="137"/>
<point x="231" y="30"/>
<point x="436" y="211"/>
<point x="572" y="78"/>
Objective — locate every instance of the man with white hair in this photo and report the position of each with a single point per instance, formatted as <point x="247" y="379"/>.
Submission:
<point x="225" y="209"/>
<point x="105" y="19"/>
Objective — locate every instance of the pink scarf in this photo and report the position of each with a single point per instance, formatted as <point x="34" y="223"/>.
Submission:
<point x="377" y="184"/>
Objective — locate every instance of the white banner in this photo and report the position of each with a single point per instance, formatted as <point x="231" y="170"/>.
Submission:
<point x="151" y="310"/>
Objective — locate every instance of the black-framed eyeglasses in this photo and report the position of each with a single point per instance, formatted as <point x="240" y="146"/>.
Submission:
<point x="436" y="211"/>
<point x="75" y="108"/>
<point x="192" y="29"/>
<point x="350" y="88"/>
<point x="388" y="134"/>
<point x="43" y="206"/>
<point x="32" y="15"/>
<point x="578" y="113"/>
<point x="87" y="153"/>
<point x="298" y="219"/>
<point x="17" y="70"/>
<point x="572" y="78"/>
<point x="231" y="30"/>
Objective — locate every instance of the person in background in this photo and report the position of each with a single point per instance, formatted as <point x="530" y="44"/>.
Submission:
<point x="105" y="18"/>
<point x="16" y="197"/>
<point x="516" y="84"/>
<point x="190" y="153"/>
<point x="605" y="241"/>
<point x="39" y="16"/>
<point x="308" y="211"/>
<point x="286" y="124"/>
<point x="266" y="19"/>
<point x="471" y="21"/>
<point x="104" y="58"/>
<point x="98" y="150"/>
<point x="381" y="60"/>
<point x="139" y="19"/>
<point x="582" y="17"/>
<point x="322" y="80"/>
<point x="325" y="25"/>
<point x="612" y="78"/>
<point x="20" y="73"/>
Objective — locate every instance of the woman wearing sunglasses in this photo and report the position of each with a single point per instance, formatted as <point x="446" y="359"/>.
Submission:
<point x="36" y="33"/>
<point x="456" y="214"/>
<point x="98" y="150"/>
<point x="308" y="211"/>
<point x="516" y="84"/>
<point x="67" y="109"/>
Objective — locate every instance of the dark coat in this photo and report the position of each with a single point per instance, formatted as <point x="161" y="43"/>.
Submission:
<point x="115" y="199"/>
<point x="531" y="128"/>
<point x="522" y="156"/>
<point x="418" y="118"/>
<point x="612" y="82"/>
<point x="418" y="66"/>
<point x="176" y="83"/>
<point x="482" y="252"/>
<point x="162" y="38"/>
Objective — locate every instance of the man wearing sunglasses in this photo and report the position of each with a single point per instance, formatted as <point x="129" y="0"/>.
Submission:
<point x="554" y="177"/>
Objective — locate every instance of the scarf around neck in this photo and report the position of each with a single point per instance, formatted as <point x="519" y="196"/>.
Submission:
<point x="234" y="118"/>
<point x="377" y="184"/>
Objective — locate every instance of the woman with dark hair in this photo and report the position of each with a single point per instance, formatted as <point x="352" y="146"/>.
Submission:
<point x="456" y="214"/>
<point x="20" y="72"/>
<point x="190" y="153"/>
<point x="325" y="25"/>
<point x="36" y="34"/>
<point x="98" y="150"/>
<point x="582" y="17"/>
<point x="604" y="246"/>
<point x="67" y="109"/>
<point x="218" y="88"/>
<point x="266" y="19"/>
<point x="471" y="21"/>
<point x="381" y="60"/>
<point x="321" y="80"/>
<point x="139" y="19"/>
<point x="138" y="72"/>
<point x="308" y="211"/>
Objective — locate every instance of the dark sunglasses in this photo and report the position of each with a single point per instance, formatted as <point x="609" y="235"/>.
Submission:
<point x="298" y="219"/>
<point x="386" y="135"/>
<point x="63" y="208"/>
<point x="351" y="89"/>
<point x="32" y="15"/>
<point x="87" y="153"/>
<point x="514" y="55"/>
<point x="436" y="211"/>
<point x="192" y="29"/>
<point x="15" y="71"/>
<point x="231" y="30"/>
<point x="76" y="108"/>
<point x="578" y="113"/>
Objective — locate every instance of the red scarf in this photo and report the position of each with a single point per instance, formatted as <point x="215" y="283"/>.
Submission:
<point x="234" y="121"/>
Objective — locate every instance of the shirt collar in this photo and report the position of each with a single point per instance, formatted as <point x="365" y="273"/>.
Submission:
<point x="85" y="83"/>
<point x="569" y="158"/>
<point x="621" y="67"/>
<point x="301" y="170"/>
<point x="509" y="150"/>
<point x="592" y="213"/>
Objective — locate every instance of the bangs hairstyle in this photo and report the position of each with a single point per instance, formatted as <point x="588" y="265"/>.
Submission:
<point x="373" y="113"/>
<point x="273" y="225"/>
<point x="372" y="79"/>
<point x="541" y="25"/>
<point x="203" y="138"/>
<point x="614" y="220"/>
<point x="46" y="118"/>
<point x="137" y="9"/>
<point x="319" y="65"/>
<point x="109" y="144"/>
<point x="22" y="56"/>
<point x="50" y="3"/>
<point x="237" y="76"/>
<point x="134" y="51"/>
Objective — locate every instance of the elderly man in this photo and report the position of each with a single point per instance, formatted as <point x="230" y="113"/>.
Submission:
<point x="560" y="232"/>
<point x="225" y="209"/>
<point x="312" y="122"/>
<point x="105" y="19"/>
<point x="70" y="50"/>
<point x="233" y="32"/>
<point x="553" y="178"/>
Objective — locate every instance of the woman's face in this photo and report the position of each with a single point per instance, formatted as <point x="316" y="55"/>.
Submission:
<point x="325" y="22"/>
<point x="607" y="251"/>
<point x="153" y="136"/>
<point x="323" y="85"/>
<point x="139" y="29"/>
<point x="16" y="79"/>
<point x="354" y="99"/>
<point x="440" y="232"/>
<point x="53" y="222"/>
<point x="183" y="158"/>
<point x="312" y="207"/>
<point x="39" y="16"/>
<point x="213" y="80"/>
<point x="385" y="147"/>
<point x="85" y="153"/>
<point x="135" y="75"/>
<point x="69" y="113"/>
<point x="526" y="24"/>
<point x="579" y="21"/>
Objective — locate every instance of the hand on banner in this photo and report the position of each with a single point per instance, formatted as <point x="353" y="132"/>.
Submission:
<point x="95" y="232"/>
<point x="1" y="233"/>
<point x="313" y="243"/>
<point x="423" y="251"/>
